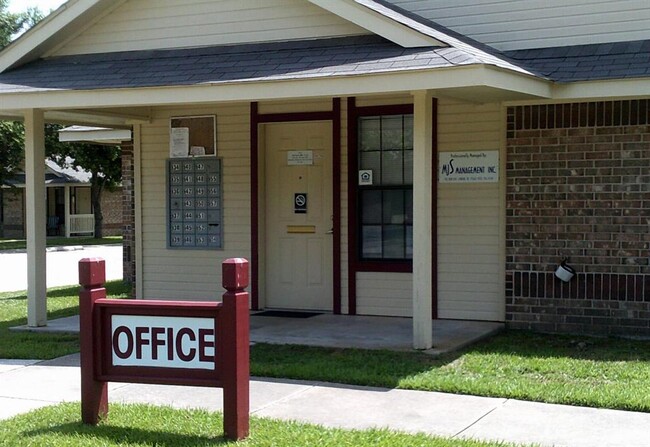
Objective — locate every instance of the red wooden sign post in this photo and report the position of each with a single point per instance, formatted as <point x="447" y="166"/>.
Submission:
<point x="166" y="342"/>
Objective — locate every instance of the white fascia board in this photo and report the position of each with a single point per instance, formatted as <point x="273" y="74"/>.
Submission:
<point x="504" y="79"/>
<point x="57" y="26"/>
<point x="607" y="89"/>
<point x="99" y="134"/>
<point x="378" y="24"/>
<point x="392" y="82"/>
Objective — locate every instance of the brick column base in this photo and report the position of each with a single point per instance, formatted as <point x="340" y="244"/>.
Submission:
<point x="128" y="216"/>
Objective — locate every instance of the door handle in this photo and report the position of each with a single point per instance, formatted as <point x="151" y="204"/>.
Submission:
<point x="331" y="231"/>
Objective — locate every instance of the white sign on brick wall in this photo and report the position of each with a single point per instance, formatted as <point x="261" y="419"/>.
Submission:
<point x="468" y="167"/>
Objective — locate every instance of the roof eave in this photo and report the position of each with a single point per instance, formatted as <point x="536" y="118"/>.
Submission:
<point x="94" y="135"/>
<point x="52" y="30"/>
<point x="438" y="79"/>
<point x="602" y="89"/>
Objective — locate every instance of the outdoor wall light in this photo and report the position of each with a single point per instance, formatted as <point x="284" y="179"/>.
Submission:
<point x="564" y="271"/>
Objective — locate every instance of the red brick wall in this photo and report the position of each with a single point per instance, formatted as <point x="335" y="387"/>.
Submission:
<point x="13" y="213"/>
<point x="112" y="212"/>
<point x="128" y="217"/>
<point x="579" y="188"/>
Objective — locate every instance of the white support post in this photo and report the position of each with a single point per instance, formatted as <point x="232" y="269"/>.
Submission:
<point x="422" y="219"/>
<point x="36" y="216"/>
<point x="66" y="201"/>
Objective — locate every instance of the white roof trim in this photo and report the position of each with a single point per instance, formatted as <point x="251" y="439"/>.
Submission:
<point x="95" y="134"/>
<point x="56" y="27"/>
<point x="601" y="89"/>
<point x="371" y="18"/>
<point x="398" y="81"/>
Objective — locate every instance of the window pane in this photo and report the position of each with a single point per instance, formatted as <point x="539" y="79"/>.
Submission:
<point x="394" y="207"/>
<point x="408" y="167"/>
<point x="392" y="168"/>
<point x="371" y="160"/>
<point x="386" y="215"/>
<point x="394" y="241"/>
<point x="369" y="130"/>
<point x="371" y="207"/>
<point x="408" y="206"/>
<point x="408" y="131"/>
<point x="409" y="242"/>
<point x="371" y="241"/>
<point x="391" y="133"/>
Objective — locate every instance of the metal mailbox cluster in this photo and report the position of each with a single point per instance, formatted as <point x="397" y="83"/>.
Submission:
<point x="195" y="203"/>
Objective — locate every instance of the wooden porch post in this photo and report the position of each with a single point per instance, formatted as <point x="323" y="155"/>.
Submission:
<point x="422" y="219"/>
<point x="66" y="200"/>
<point x="36" y="217"/>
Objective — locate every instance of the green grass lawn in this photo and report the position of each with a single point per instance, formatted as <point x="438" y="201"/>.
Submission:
<point x="21" y="244"/>
<point x="596" y="372"/>
<point x="607" y="373"/>
<point x="61" y="302"/>
<point x="143" y="425"/>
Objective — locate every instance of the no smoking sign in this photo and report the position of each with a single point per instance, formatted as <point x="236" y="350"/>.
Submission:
<point x="300" y="203"/>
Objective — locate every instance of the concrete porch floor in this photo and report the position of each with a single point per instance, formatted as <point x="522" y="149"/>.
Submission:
<point x="341" y="331"/>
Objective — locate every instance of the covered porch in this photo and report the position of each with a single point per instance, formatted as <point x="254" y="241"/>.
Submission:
<point x="68" y="209"/>
<point x="155" y="257"/>
<point x="340" y="331"/>
<point x="69" y="212"/>
<point x="355" y="79"/>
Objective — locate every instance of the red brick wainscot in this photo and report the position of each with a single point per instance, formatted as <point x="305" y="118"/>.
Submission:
<point x="578" y="187"/>
<point x="128" y="216"/>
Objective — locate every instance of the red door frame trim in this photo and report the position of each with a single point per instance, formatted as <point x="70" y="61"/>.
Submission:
<point x="354" y="264"/>
<point x="434" y="209"/>
<point x="256" y="119"/>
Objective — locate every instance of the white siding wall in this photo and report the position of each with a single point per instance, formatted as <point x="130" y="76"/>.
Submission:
<point x="513" y="24"/>
<point x="470" y="242"/>
<point x="470" y="253"/>
<point x="150" y="24"/>
<point x="470" y="246"/>
<point x="388" y="294"/>
<point x="194" y="274"/>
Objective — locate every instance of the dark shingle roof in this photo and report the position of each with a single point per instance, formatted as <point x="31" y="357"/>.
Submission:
<point x="318" y="58"/>
<point x="588" y="62"/>
<point x="245" y="62"/>
<point x="55" y="174"/>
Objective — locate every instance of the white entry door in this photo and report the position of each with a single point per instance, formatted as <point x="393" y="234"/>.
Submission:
<point x="298" y="204"/>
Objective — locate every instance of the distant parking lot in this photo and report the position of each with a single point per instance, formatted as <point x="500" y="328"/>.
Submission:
<point x="62" y="267"/>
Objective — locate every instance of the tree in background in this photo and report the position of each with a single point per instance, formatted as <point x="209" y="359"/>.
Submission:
<point x="11" y="149"/>
<point x="11" y="24"/>
<point x="11" y="133"/>
<point x="103" y="162"/>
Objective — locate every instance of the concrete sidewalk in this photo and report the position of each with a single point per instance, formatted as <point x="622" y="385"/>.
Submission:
<point x="26" y="385"/>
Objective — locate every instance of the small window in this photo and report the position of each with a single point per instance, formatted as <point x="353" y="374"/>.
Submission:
<point x="386" y="206"/>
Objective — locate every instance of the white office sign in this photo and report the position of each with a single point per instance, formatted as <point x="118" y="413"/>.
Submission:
<point x="295" y="158"/>
<point x="468" y="167"/>
<point x="163" y="342"/>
